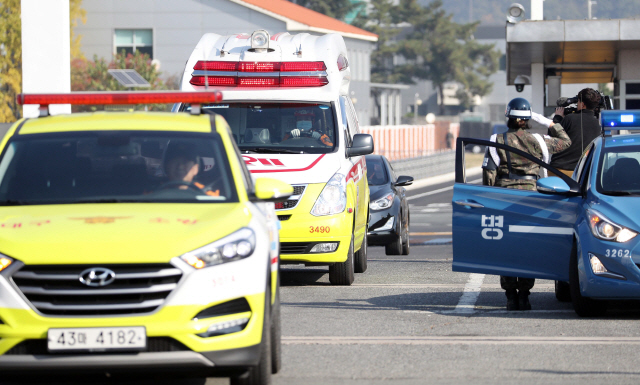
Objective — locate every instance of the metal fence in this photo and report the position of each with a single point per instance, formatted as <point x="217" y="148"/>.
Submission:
<point x="427" y="166"/>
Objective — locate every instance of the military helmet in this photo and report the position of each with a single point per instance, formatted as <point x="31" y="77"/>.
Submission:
<point x="518" y="108"/>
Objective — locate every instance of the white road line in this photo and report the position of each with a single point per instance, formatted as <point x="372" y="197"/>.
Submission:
<point x="470" y="294"/>
<point x="459" y="340"/>
<point x="424" y="194"/>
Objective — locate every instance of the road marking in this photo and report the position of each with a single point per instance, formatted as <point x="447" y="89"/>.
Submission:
<point x="470" y="294"/>
<point x="424" y="194"/>
<point x="432" y="233"/>
<point x="541" y="230"/>
<point x="459" y="340"/>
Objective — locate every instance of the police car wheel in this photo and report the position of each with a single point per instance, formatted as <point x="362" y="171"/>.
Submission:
<point x="342" y="273"/>
<point x="260" y="374"/>
<point x="583" y="306"/>
<point x="563" y="291"/>
<point x="360" y="265"/>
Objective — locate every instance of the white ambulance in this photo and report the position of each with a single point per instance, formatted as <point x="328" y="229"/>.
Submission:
<point x="286" y="100"/>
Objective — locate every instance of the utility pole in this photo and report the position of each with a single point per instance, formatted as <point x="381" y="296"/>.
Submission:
<point x="589" y="4"/>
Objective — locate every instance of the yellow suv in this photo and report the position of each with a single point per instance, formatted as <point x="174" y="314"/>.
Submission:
<point x="136" y="241"/>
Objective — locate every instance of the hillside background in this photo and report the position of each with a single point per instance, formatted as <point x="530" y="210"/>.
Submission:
<point x="494" y="11"/>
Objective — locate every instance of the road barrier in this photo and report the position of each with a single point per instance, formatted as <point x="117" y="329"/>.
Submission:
<point x="407" y="142"/>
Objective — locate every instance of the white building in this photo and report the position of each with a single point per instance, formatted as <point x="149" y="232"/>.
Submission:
<point x="168" y="30"/>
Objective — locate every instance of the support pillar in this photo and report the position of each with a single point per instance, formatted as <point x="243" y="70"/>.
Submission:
<point x="537" y="87"/>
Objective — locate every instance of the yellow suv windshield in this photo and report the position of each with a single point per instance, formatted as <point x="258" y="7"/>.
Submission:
<point x="123" y="166"/>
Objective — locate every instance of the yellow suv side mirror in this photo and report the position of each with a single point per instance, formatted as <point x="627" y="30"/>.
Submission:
<point x="272" y="190"/>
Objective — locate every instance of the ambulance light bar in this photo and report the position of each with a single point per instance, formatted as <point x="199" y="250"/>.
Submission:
<point x="103" y="98"/>
<point x="260" y="66"/>
<point x="259" y="74"/>
<point x="615" y="120"/>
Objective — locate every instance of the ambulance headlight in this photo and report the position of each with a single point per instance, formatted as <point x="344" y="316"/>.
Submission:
<point x="603" y="228"/>
<point x="260" y="40"/>
<point x="333" y="198"/>
<point x="233" y="247"/>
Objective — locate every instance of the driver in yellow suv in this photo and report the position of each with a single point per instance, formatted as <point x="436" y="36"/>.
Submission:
<point x="182" y="165"/>
<point x="305" y="124"/>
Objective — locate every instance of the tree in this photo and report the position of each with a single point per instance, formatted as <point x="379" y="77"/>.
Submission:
<point x="87" y="75"/>
<point x="11" y="54"/>
<point x="10" y="60"/>
<point x="433" y="47"/>
<point x="333" y="8"/>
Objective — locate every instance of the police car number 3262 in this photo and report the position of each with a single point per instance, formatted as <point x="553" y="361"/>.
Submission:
<point x="97" y="338"/>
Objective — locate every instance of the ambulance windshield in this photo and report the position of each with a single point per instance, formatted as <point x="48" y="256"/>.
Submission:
<point x="295" y="128"/>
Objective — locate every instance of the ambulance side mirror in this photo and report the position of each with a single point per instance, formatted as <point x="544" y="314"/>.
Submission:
<point x="362" y="145"/>
<point x="272" y="190"/>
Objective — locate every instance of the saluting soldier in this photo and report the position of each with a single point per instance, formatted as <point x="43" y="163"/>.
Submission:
<point x="505" y="169"/>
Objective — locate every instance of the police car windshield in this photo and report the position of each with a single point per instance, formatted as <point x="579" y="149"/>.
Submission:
<point x="291" y="128"/>
<point x="619" y="171"/>
<point x="99" y="167"/>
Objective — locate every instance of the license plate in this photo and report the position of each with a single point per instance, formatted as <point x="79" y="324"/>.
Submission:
<point x="97" y="339"/>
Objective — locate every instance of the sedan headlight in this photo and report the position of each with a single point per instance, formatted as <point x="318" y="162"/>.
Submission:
<point x="383" y="203"/>
<point x="231" y="248"/>
<point x="603" y="228"/>
<point x="333" y="198"/>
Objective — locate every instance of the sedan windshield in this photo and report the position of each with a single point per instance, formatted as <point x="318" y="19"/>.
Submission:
<point x="123" y="166"/>
<point x="619" y="172"/>
<point x="376" y="174"/>
<point x="290" y="128"/>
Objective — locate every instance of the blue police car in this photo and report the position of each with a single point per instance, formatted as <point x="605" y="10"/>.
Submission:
<point x="581" y="232"/>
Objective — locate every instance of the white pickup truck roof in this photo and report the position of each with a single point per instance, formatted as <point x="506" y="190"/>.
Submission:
<point x="258" y="66"/>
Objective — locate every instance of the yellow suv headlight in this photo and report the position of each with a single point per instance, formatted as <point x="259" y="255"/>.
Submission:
<point x="5" y="262"/>
<point x="233" y="247"/>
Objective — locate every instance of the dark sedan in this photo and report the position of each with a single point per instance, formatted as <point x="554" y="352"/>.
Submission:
<point x="389" y="222"/>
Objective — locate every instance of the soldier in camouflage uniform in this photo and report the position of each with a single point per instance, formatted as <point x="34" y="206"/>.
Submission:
<point x="504" y="169"/>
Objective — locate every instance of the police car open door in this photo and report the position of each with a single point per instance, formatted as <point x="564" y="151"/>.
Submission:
<point x="505" y="231"/>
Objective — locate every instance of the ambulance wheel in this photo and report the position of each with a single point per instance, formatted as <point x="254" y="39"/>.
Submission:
<point x="276" y="333"/>
<point x="563" y="291"/>
<point x="342" y="273"/>
<point x="583" y="306"/>
<point x="360" y="265"/>
<point x="260" y="374"/>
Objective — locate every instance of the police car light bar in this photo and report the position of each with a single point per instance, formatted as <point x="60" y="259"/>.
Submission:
<point x="259" y="74"/>
<point x="615" y="120"/>
<point x="103" y="98"/>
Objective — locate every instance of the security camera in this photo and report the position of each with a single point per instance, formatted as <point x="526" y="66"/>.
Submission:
<point x="520" y="82"/>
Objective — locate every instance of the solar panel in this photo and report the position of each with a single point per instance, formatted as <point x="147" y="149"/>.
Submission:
<point x="129" y="78"/>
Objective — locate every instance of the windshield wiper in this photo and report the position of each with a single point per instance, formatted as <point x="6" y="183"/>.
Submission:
<point x="619" y="193"/>
<point x="257" y="150"/>
<point x="13" y="202"/>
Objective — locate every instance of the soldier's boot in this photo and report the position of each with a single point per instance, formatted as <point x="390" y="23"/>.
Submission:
<point x="512" y="299"/>
<point x="523" y="300"/>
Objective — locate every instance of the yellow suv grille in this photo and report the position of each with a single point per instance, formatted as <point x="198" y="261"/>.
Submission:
<point x="88" y="290"/>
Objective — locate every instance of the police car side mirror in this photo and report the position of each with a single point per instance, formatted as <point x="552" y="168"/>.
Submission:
<point x="404" y="180"/>
<point x="272" y="190"/>
<point x="552" y="185"/>
<point x="362" y="145"/>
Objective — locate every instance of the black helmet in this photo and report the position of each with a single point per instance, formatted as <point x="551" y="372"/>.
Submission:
<point x="518" y="108"/>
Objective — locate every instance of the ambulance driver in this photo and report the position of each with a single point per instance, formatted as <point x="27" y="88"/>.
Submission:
<point x="305" y="126"/>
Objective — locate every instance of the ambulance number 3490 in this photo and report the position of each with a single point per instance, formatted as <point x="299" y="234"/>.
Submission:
<point x="319" y="229"/>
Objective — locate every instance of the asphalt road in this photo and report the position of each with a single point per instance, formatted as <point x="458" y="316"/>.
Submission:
<point x="411" y="320"/>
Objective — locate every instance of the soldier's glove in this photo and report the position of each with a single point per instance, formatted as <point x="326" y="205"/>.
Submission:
<point x="295" y="133"/>
<point x="541" y="119"/>
<point x="315" y="135"/>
